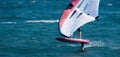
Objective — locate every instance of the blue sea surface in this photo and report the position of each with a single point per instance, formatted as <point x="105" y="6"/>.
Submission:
<point x="28" y="28"/>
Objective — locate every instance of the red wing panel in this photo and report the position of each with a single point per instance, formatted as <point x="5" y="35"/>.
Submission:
<point x="67" y="12"/>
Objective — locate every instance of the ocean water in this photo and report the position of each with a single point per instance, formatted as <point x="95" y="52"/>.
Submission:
<point x="28" y="28"/>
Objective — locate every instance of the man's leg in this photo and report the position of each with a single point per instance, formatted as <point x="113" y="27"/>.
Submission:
<point x="79" y="34"/>
<point x="80" y="37"/>
<point x="82" y="47"/>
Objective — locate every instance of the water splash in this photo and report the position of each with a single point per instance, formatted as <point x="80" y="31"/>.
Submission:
<point x="95" y="44"/>
<point x="92" y="44"/>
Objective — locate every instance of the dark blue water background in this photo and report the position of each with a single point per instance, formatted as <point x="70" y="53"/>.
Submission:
<point x="28" y="28"/>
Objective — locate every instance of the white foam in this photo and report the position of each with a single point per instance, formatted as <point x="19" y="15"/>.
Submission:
<point x="95" y="44"/>
<point x="41" y="21"/>
<point x="7" y="22"/>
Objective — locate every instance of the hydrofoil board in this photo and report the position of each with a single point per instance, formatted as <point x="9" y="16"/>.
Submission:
<point x="73" y="40"/>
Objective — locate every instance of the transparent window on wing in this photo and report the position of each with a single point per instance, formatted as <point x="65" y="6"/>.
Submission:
<point x="70" y="6"/>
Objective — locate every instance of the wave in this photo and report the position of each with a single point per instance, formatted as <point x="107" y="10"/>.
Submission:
<point x="74" y="45"/>
<point x="41" y="21"/>
<point x="8" y="22"/>
<point x="109" y="4"/>
<point x="32" y="21"/>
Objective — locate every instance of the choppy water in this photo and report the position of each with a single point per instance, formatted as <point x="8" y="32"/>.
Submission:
<point x="28" y="28"/>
